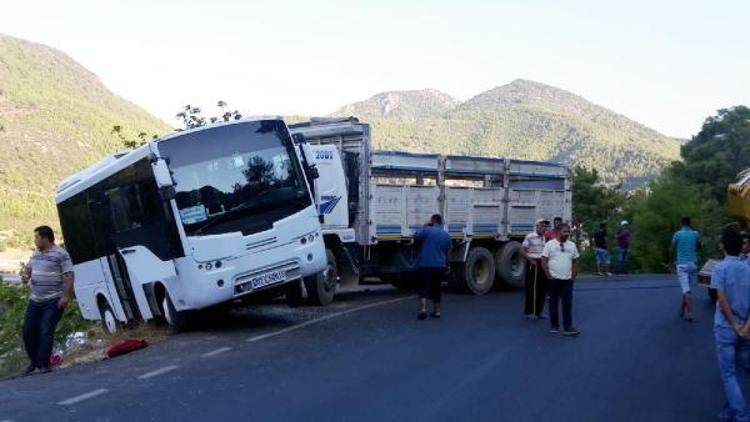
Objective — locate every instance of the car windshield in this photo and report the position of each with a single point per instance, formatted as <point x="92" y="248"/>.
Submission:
<point x="232" y="177"/>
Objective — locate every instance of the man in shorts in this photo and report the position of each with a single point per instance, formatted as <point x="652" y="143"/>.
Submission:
<point x="435" y="243"/>
<point x="602" y="251"/>
<point x="685" y="245"/>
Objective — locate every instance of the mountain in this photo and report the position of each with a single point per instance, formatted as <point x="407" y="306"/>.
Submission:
<point x="525" y="119"/>
<point x="56" y="118"/>
<point x="402" y="105"/>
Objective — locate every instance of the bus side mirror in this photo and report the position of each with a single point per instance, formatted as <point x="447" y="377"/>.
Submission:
<point x="162" y="174"/>
<point x="298" y="138"/>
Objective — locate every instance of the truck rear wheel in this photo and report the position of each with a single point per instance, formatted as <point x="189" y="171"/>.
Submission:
<point x="477" y="274"/>
<point x="510" y="265"/>
<point x="321" y="287"/>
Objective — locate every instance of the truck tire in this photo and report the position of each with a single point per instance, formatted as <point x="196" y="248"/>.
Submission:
<point x="510" y="265"/>
<point x="477" y="274"/>
<point x="110" y="324"/>
<point x="178" y="321"/>
<point x="321" y="287"/>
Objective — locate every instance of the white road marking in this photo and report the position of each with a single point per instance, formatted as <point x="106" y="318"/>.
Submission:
<point x="218" y="351"/>
<point x="84" y="396"/>
<point x="159" y="371"/>
<point x="324" y="318"/>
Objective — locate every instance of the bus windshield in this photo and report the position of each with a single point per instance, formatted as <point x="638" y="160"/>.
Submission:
<point x="236" y="177"/>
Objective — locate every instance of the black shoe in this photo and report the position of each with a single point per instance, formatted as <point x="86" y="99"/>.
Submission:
<point x="45" y="370"/>
<point x="422" y="315"/>
<point x="29" y="370"/>
<point x="554" y="330"/>
<point x="571" y="332"/>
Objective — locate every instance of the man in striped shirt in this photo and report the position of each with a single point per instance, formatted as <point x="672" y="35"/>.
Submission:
<point x="50" y="272"/>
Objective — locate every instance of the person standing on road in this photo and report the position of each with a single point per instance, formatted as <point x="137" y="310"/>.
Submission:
<point x="601" y="251"/>
<point x="623" y="247"/>
<point x="686" y="243"/>
<point x="536" y="280"/>
<point x="50" y="272"/>
<point x="552" y="233"/>
<point x="560" y="262"/>
<point x="731" y="279"/>
<point x="435" y="243"/>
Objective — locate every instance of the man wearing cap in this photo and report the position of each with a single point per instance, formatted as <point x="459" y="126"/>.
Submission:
<point x="536" y="280"/>
<point x="623" y="247"/>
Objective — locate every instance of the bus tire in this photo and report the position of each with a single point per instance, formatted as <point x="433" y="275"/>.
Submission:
<point x="110" y="324"/>
<point x="510" y="265"/>
<point x="321" y="287"/>
<point x="476" y="275"/>
<point x="177" y="321"/>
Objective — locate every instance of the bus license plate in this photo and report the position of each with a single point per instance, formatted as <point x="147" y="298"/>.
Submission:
<point x="268" y="279"/>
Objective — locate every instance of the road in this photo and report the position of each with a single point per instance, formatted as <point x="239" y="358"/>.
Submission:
<point x="368" y="359"/>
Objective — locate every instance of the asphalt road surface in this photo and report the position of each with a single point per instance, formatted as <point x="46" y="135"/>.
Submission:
<point x="367" y="358"/>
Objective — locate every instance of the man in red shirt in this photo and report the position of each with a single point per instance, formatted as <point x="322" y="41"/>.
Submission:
<point x="552" y="233"/>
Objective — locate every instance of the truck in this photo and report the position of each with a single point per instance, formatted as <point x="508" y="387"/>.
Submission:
<point x="371" y="203"/>
<point x="191" y="220"/>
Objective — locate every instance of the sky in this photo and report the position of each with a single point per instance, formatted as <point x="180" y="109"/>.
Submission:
<point x="666" y="64"/>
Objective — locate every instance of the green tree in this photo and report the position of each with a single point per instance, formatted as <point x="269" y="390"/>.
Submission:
<point x="713" y="158"/>
<point x="594" y="202"/>
<point x="657" y="216"/>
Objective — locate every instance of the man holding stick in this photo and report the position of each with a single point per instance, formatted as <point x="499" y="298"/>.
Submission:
<point x="536" y="280"/>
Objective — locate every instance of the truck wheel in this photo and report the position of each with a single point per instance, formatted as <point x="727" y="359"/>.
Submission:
<point x="178" y="321"/>
<point x="110" y="324"/>
<point x="321" y="288"/>
<point x="477" y="274"/>
<point x="510" y="265"/>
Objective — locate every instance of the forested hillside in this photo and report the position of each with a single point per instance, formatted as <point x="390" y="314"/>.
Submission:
<point x="523" y="119"/>
<point x="56" y="117"/>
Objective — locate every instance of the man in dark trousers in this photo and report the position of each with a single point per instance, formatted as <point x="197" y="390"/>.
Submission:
<point x="435" y="243"/>
<point x="536" y="280"/>
<point x="50" y="272"/>
<point x="560" y="261"/>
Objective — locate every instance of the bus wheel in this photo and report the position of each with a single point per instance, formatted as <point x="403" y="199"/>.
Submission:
<point x="178" y="321"/>
<point x="321" y="288"/>
<point x="477" y="274"/>
<point x="109" y="322"/>
<point x="510" y="265"/>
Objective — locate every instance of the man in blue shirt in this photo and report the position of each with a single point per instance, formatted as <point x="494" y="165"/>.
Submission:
<point x="731" y="279"/>
<point x="435" y="243"/>
<point x="686" y="242"/>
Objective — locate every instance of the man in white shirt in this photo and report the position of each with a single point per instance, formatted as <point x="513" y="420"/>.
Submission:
<point x="560" y="262"/>
<point x="536" y="280"/>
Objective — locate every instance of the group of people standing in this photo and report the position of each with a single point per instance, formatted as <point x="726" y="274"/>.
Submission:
<point x="601" y="249"/>
<point x="552" y="267"/>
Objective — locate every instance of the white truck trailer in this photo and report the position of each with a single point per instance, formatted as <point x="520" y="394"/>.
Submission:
<point x="191" y="220"/>
<point x="371" y="203"/>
